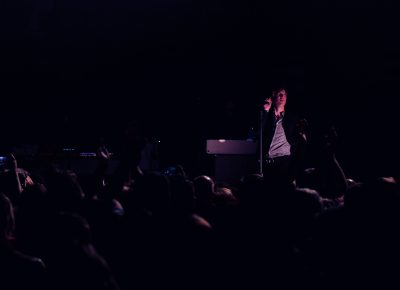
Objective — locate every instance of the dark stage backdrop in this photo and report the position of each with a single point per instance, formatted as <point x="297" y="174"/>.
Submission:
<point x="187" y="71"/>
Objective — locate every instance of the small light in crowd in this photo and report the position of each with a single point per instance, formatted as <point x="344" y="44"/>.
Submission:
<point x="87" y="154"/>
<point x="68" y="149"/>
<point x="221" y="140"/>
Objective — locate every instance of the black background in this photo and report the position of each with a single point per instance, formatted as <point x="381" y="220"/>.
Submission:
<point x="75" y="70"/>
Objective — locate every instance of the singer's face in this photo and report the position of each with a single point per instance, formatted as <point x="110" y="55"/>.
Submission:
<point x="280" y="98"/>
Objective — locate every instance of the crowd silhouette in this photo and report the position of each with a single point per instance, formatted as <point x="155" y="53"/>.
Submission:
<point x="146" y="229"/>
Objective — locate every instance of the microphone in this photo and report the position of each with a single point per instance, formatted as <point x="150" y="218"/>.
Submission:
<point x="267" y="104"/>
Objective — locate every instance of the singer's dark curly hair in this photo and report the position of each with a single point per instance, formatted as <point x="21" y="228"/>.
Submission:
<point x="277" y="90"/>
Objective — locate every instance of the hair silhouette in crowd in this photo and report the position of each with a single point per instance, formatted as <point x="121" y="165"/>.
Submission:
<point x="73" y="261"/>
<point x="17" y="270"/>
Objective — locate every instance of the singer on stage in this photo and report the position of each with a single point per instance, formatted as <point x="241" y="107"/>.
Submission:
<point x="282" y="138"/>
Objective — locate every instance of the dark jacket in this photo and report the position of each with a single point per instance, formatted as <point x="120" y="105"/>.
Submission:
<point x="292" y="127"/>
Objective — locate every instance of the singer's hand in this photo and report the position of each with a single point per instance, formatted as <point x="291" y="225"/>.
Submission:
<point x="267" y="105"/>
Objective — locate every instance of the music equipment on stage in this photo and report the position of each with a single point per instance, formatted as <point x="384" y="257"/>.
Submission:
<point x="233" y="159"/>
<point x="231" y="147"/>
